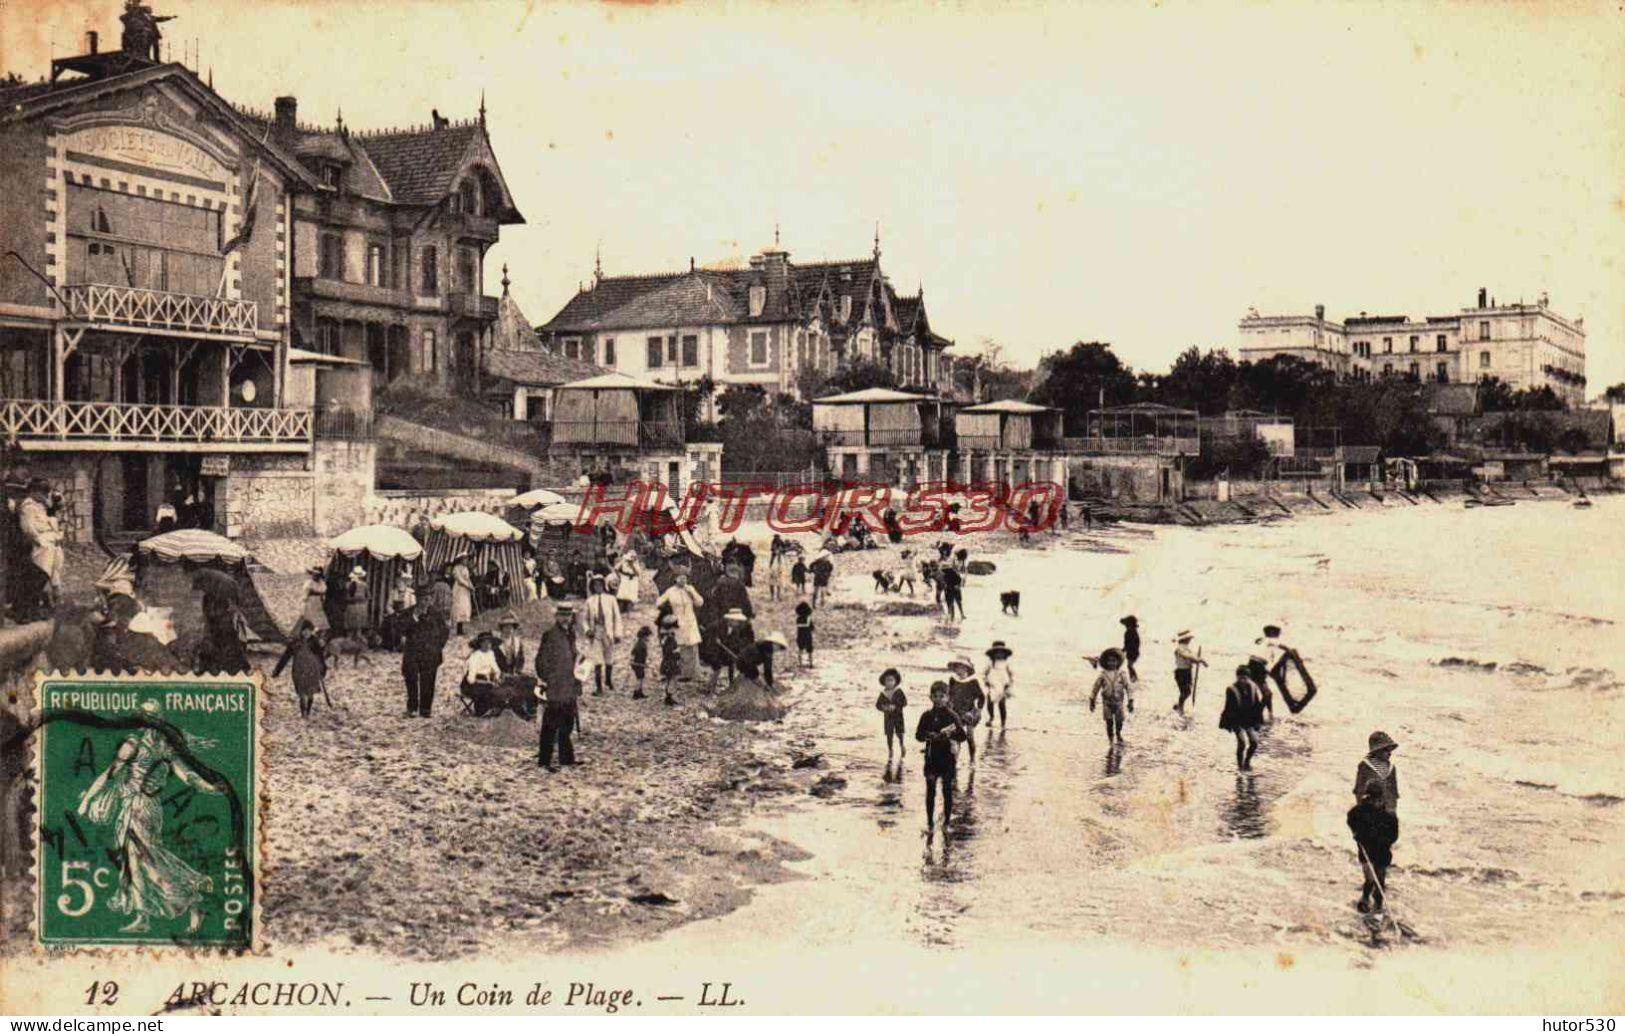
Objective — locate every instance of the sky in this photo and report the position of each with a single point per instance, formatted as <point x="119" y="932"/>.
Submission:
<point x="1138" y="173"/>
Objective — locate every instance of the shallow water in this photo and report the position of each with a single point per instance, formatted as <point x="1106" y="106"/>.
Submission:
<point x="1510" y="777"/>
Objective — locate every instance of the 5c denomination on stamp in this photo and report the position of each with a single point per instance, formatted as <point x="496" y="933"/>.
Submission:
<point x="148" y="831"/>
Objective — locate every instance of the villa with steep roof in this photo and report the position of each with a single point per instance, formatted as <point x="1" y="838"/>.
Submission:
<point x="196" y="300"/>
<point x="765" y="324"/>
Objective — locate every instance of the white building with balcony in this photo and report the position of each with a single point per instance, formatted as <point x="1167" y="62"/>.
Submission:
<point x="145" y="275"/>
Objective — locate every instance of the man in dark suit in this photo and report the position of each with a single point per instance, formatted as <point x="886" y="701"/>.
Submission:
<point x="556" y="669"/>
<point x="421" y="655"/>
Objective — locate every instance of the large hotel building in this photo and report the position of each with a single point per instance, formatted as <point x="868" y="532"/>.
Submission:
<point x="1527" y="345"/>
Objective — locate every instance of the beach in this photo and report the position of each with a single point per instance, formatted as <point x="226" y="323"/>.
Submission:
<point x="1485" y="641"/>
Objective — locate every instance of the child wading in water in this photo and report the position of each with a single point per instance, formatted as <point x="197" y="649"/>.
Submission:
<point x="804" y="634"/>
<point x="966" y="697"/>
<point x="939" y="729"/>
<point x="1245" y="705"/>
<point x="1000" y="682"/>
<point x="891" y="703"/>
<point x="640" y="660"/>
<point x="1114" y="691"/>
<point x="671" y="658"/>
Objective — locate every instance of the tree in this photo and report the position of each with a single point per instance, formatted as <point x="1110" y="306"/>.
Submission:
<point x="854" y="376"/>
<point x="1081" y="378"/>
<point x="763" y="432"/>
<point x="1616" y="393"/>
<point x="1497" y="396"/>
<point x="1201" y="381"/>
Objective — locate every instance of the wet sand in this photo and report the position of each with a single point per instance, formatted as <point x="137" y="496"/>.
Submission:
<point x="1486" y="641"/>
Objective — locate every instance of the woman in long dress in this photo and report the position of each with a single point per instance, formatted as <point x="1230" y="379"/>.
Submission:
<point x="628" y="590"/>
<point x="314" y="611"/>
<point x="462" y="594"/>
<point x="357" y="602"/>
<point x="683" y="600"/>
<point x="602" y="629"/>
<point x="153" y="882"/>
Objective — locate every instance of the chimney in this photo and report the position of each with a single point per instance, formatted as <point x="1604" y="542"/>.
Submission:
<point x="1483" y="297"/>
<point x="287" y="114"/>
<point x="776" y="264"/>
<point x="1320" y="313"/>
<point x="92" y="39"/>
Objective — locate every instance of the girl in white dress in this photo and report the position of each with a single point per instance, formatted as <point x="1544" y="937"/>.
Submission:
<point x="999" y="682"/>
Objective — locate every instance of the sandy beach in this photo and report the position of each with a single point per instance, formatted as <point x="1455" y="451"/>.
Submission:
<point x="1486" y="642"/>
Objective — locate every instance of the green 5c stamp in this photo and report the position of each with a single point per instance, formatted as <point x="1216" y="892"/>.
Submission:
<point x="147" y="831"/>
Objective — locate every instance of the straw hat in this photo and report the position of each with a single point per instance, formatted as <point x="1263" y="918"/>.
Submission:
<point x="890" y="673"/>
<point x="998" y="649"/>
<point x="1111" y="659"/>
<point x="1380" y="741"/>
<point x="774" y="639"/>
<point x="735" y="615"/>
<point x="508" y="621"/>
<point x="1183" y="637"/>
<point x="961" y="661"/>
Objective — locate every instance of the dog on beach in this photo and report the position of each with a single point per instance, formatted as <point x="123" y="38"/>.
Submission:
<point x="1010" y="603"/>
<point x="338" y="646"/>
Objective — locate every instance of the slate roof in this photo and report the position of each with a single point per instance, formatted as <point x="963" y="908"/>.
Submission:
<point x="1453" y="399"/>
<point x="537" y="369"/>
<point x="516" y="355"/>
<point x="723" y="295"/>
<point x="419" y="166"/>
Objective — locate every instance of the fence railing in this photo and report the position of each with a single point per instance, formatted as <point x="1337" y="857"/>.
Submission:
<point x="144" y="307"/>
<point x="26" y="420"/>
<point x="1143" y="446"/>
<point x="344" y="425"/>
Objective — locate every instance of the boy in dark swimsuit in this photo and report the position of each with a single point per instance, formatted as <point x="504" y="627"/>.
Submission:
<point x="939" y="729"/>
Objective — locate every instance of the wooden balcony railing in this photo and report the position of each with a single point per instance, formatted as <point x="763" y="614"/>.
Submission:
<point x="1146" y="445"/>
<point x="46" y="425"/>
<point x="162" y="310"/>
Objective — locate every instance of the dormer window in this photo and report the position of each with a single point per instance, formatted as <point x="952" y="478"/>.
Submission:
<point x="846" y="307"/>
<point x="758" y="299"/>
<point x="331" y="174"/>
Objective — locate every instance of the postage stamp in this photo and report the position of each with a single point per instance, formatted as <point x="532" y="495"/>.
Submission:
<point x="147" y="830"/>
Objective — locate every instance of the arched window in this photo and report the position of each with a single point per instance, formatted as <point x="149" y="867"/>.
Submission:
<point x="468" y="196"/>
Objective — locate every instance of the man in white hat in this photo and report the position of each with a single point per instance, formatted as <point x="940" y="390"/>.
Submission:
<point x="1186" y="661"/>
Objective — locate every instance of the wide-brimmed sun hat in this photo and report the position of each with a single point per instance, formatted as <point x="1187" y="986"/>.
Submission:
<point x="508" y="621"/>
<point x="890" y="673"/>
<point x="1182" y="636"/>
<point x="774" y="639"/>
<point x="961" y="662"/>
<point x="735" y="615"/>
<point x="1380" y="741"/>
<point x="1111" y="658"/>
<point x="998" y="648"/>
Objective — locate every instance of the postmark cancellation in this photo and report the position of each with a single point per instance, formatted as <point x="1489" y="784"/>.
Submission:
<point x="147" y="826"/>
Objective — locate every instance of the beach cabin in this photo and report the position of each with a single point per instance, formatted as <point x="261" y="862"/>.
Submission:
<point x="620" y="428"/>
<point x="1009" y="442"/>
<point x="1133" y="453"/>
<point x="883" y="436"/>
